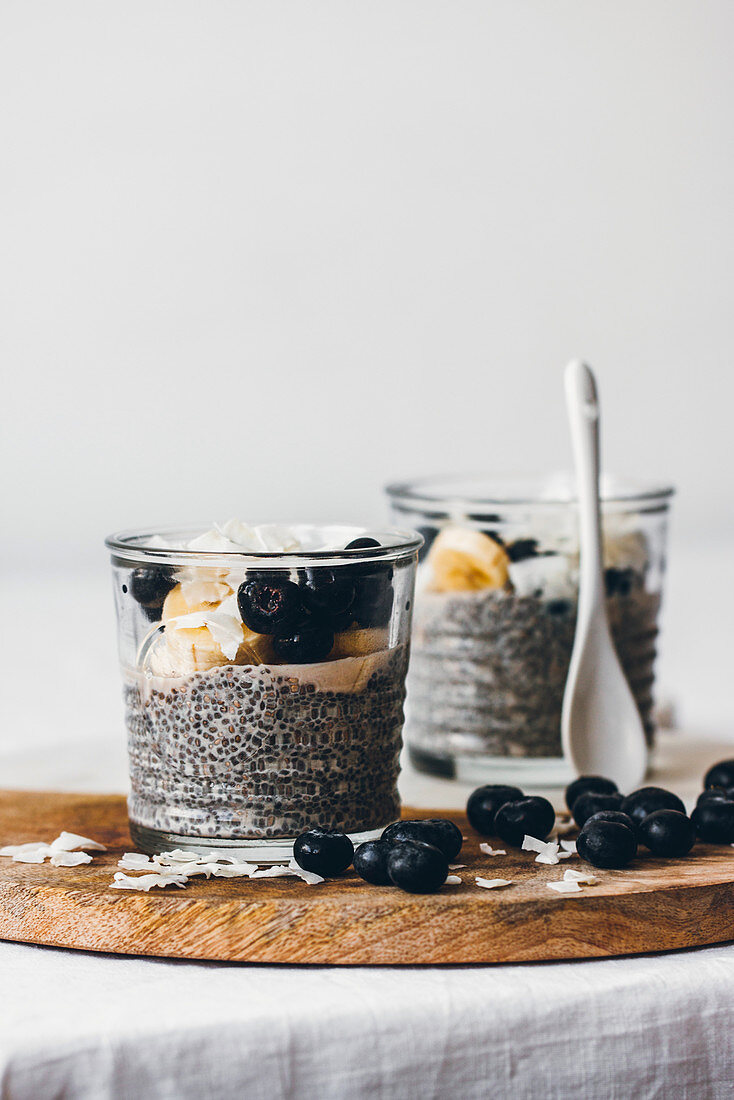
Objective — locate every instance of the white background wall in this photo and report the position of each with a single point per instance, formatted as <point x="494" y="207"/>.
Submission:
<point x="259" y="258"/>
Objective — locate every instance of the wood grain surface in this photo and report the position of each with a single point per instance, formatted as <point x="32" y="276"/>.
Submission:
<point x="654" y="905"/>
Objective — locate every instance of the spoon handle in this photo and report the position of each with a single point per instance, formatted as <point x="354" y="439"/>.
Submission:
<point x="583" y="414"/>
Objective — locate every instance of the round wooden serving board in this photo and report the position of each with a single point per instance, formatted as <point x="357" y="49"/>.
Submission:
<point x="654" y="905"/>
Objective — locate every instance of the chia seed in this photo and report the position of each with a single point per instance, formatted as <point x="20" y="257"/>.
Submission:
<point x="488" y="669"/>
<point x="260" y="752"/>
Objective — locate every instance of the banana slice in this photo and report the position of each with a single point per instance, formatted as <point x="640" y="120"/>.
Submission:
<point x="358" y="643"/>
<point x="463" y="560"/>
<point x="207" y="634"/>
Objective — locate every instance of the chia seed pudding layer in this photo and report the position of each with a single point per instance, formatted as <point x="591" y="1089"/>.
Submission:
<point x="489" y="668"/>
<point x="266" y="751"/>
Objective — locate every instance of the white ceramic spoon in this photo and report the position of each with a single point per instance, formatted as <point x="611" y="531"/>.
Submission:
<point x="601" y="728"/>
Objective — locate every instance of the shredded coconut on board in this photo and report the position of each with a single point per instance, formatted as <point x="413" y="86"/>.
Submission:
<point x="565" y="886"/>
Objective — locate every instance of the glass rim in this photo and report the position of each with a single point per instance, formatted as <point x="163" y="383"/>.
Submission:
<point x="128" y="545"/>
<point x="428" y="491"/>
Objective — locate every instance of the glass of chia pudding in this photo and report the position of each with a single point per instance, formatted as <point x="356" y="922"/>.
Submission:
<point x="495" y="616"/>
<point x="263" y="679"/>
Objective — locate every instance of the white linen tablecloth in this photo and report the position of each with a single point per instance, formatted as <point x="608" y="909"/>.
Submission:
<point x="79" y="1025"/>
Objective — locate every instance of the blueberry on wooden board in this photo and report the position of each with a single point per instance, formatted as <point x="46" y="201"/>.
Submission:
<point x="370" y="862"/>
<point x="591" y="802"/>
<point x="438" y="832"/>
<point x="586" y="783"/>
<point x="612" y="815"/>
<point x="324" y="852"/>
<point x="648" y="799"/>
<point x="417" y="868"/>
<point x="149" y="587"/>
<point x="271" y="605"/>
<point x="714" y="821"/>
<point x="524" y="817"/>
<point x="716" y="794"/>
<point x="667" y="833"/>
<point x="606" y="844"/>
<point x="484" y="802"/>
<point x="721" y="775"/>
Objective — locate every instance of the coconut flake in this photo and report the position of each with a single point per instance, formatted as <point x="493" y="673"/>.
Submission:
<point x="135" y="861"/>
<point x="145" y="882"/>
<point x="493" y="883"/>
<point x="309" y="877"/>
<point x="579" y="876"/>
<point x="547" y="850"/>
<point x="569" y="846"/>
<point x="278" y="871"/>
<point x="565" y="886"/>
<point x="452" y="880"/>
<point x="456" y="866"/>
<point x="550" y="855"/>
<point x="178" y="856"/>
<point x="67" y="842"/>
<point x="35" y="852"/>
<point x="275" y="538"/>
<point x="70" y="859"/>
<point x="233" y="870"/>
<point x="197" y="590"/>
<point x="490" y="851"/>
<point x="532" y="844"/>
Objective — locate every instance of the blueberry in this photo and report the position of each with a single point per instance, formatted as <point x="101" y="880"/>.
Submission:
<point x="417" y="868"/>
<point x="611" y="815"/>
<point x="559" y="607"/>
<point x="342" y="621"/>
<point x="494" y="536"/>
<point x="606" y="844"/>
<point x="152" y="614"/>
<point x="591" y="802"/>
<point x="324" y="852"/>
<point x="586" y="783"/>
<point x="522" y="549"/>
<point x="370" y="862"/>
<point x="715" y="794"/>
<point x="149" y="587"/>
<point x="438" y="832"/>
<point x="326" y="593"/>
<point x="363" y="543"/>
<point x="308" y="645"/>
<point x="667" y="833"/>
<point x="618" y="582"/>
<point x="721" y="775"/>
<point x="648" y="799"/>
<point x="271" y="605"/>
<point x="374" y="597"/>
<point x="524" y="816"/>
<point x="714" y="821"/>
<point x="484" y="803"/>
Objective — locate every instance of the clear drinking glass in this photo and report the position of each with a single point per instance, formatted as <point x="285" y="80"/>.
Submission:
<point x="237" y="738"/>
<point x="495" y="615"/>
